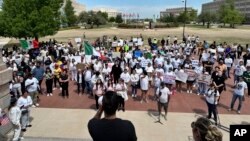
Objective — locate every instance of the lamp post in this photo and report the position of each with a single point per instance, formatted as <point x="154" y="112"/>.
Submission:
<point x="185" y="13"/>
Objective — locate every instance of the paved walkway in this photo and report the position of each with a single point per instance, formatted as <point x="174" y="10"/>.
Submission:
<point x="56" y="124"/>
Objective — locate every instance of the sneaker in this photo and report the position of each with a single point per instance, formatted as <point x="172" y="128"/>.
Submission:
<point x="230" y="109"/>
<point x="238" y="112"/>
<point x="191" y="92"/>
<point x="141" y="101"/>
<point x="21" y="138"/>
<point x="60" y="88"/>
<point x="33" y="106"/>
<point x="135" y="95"/>
<point x="51" y="94"/>
<point x="37" y="104"/>
<point x="198" y="93"/>
<point x="188" y="91"/>
<point x="47" y="94"/>
<point x="54" y="88"/>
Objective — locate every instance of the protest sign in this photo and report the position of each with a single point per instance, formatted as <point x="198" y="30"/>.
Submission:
<point x="181" y="76"/>
<point x="195" y="63"/>
<point x="78" y="40"/>
<point x="169" y="79"/>
<point x="144" y="63"/>
<point x="135" y="40"/>
<point x="116" y="54"/>
<point x="204" y="78"/>
<point x="114" y="44"/>
<point x="130" y="44"/>
<point x="78" y="59"/>
<point x="80" y="66"/>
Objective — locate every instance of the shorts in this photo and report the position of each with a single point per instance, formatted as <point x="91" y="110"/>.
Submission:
<point x="164" y="105"/>
<point x="190" y="82"/>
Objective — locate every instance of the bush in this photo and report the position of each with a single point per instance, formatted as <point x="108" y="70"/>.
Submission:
<point x="168" y="25"/>
<point x="128" y="26"/>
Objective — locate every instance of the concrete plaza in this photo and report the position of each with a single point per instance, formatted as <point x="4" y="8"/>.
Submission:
<point x="50" y="124"/>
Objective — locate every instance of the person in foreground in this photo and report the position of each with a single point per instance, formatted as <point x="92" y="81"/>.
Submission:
<point x="203" y="130"/>
<point x="110" y="128"/>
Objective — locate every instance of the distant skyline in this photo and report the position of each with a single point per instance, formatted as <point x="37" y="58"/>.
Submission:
<point x="145" y="8"/>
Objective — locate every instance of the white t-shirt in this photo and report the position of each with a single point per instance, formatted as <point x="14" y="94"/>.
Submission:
<point x="159" y="70"/>
<point x="164" y="94"/>
<point x="138" y="71"/>
<point x="31" y="88"/>
<point x="26" y="102"/>
<point x="239" y="70"/>
<point x="144" y="82"/>
<point x="149" y="69"/>
<point x="176" y="63"/>
<point x="228" y="62"/>
<point x="97" y="67"/>
<point x="106" y="71"/>
<point x="240" y="87"/>
<point x="159" y="61"/>
<point x="167" y="67"/>
<point x="211" y="94"/>
<point x="125" y="77"/>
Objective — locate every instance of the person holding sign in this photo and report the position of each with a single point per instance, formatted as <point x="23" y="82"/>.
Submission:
<point x="191" y="78"/>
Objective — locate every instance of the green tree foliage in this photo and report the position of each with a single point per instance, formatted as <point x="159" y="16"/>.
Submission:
<point x="183" y="17"/>
<point x="168" y="18"/>
<point x="30" y="18"/>
<point x="118" y="19"/>
<point x="92" y="18"/>
<point x="111" y="19"/>
<point x="228" y="14"/>
<point x="192" y="15"/>
<point x="207" y="17"/>
<point x="71" y="18"/>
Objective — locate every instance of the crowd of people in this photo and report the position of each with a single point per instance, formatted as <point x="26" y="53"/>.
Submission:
<point x="138" y="67"/>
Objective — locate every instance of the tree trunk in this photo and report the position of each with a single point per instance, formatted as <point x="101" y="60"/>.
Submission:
<point x="203" y="22"/>
<point x="208" y="25"/>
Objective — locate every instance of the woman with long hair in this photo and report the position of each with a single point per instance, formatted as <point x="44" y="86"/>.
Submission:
<point x="15" y="116"/>
<point x="98" y="91"/>
<point x="49" y="81"/>
<point x="203" y="130"/>
<point x="191" y="79"/>
<point x="110" y="85"/>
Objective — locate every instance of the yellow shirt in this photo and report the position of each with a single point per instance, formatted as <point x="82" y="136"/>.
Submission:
<point x="57" y="72"/>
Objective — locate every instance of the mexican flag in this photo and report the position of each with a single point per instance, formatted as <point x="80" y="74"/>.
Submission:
<point x="24" y="44"/>
<point x="90" y="50"/>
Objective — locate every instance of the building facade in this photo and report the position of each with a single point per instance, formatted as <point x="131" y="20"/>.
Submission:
<point x="109" y="11"/>
<point x="175" y="11"/>
<point x="242" y="5"/>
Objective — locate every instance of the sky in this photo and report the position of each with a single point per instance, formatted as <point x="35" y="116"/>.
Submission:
<point x="145" y="8"/>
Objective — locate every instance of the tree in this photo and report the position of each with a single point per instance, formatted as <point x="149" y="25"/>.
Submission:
<point x="70" y="13"/>
<point x="118" y="19"/>
<point x="207" y="17"/>
<point x="111" y="19"/>
<point x="83" y="17"/>
<point x="168" y="18"/>
<point x="183" y="17"/>
<point x="192" y="15"/>
<point x="30" y="18"/>
<point x="228" y="14"/>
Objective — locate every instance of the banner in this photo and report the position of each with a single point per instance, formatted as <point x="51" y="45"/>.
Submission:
<point x="139" y="42"/>
<point x="169" y="79"/>
<point x="144" y="63"/>
<point x="78" y="40"/>
<point x="204" y="78"/>
<point x="114" y="44"/>
<point x="80" y="66"/>
<point x="181" y="76"/>
<point x="130" y="44"/>
<point x="78" y="59"/>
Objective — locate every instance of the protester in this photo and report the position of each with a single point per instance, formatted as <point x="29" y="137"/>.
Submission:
<point x="80" y="81"/>
<point x="144" y="83"/>
<point x="49" y="81"/>
<point x="163" y="96"/>
<point x="239" y="93"/>
<point x="32" y="86"/>
<point x="64" y="80"/>
<point x="121" y="90"/>
<point x="38" y="73"/>
<point x="98" y="91"/>
<point x="110" y="127"/>
<point x="24" y="103"/>
<point x="15" y="117"/>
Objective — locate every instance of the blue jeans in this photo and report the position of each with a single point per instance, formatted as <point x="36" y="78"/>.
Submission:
<point x="88" y="86"/>
<point x="202" y="87"/>
<point x="234" y="98"/>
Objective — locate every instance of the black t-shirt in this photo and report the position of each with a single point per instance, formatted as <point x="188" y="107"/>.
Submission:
<point x="219" y="80"/>
<point x="111" y="130"/>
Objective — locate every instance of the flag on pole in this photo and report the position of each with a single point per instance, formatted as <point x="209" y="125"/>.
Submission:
<point x="35" y="44"/>
<point x="90" y="50"/>
<point x="24" y="44"/>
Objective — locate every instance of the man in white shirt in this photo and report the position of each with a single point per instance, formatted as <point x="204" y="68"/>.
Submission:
<point x="239" y="92"/>
<point x="125" y="76"/>
<point x="87" y="78"/>
<point x="163" y="95"/>
<point x="97" y="66"/>
<point x="32" y="86"/>
<point x="24" y="103"/>
<point x="238" y="71"/>
<point x="159" y="60"/>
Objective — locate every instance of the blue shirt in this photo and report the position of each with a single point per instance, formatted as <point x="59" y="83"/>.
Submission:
<point x="38" y="73"/>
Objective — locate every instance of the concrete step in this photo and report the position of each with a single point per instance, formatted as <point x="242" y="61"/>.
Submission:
<point x="53" y="139"/>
